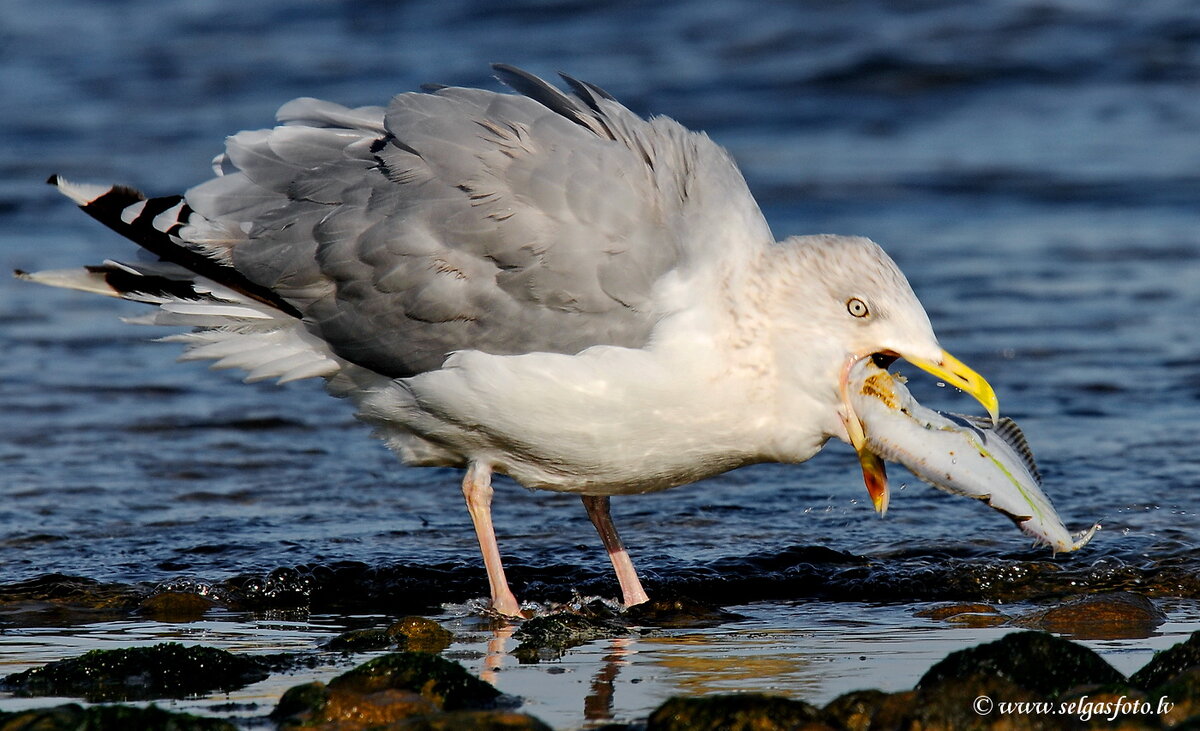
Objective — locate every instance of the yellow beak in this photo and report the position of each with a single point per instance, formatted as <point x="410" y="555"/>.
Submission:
<point x="954" y="372"/>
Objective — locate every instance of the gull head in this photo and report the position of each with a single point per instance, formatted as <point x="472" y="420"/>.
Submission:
<point x="850" y="303"/>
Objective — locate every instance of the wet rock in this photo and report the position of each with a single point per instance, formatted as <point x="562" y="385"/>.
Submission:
<point x="952" y="704"/>
<point x="73" y="717"/>
<point x="421" y="634"/>
<point x="415" y="634"/>
<point x="165" y="670"/>
<point x="678" y="612"/>
<point x="1035" y="661"/>
<point x="1169" y="663"/>
<point x="475" y="721"/>
<point x="360" y="640"/>
<point x="946" y="611"/>
<point x="317" y="706"/>
<point x="399" y="690"/>
<point x="58" y="599"/>
<point x="854" y="711"/>
<point x="446" y="683"/>
<point x="549" y="636"/>
<point x="740" y="712"/>
<point x="1113" y="616"/>
<point x="344" y="709"/>
<point x="967" y="615"/>
<point x="894" y="710"/>
<point x="301" y="703"/>
<point x="176" y="606"/>
<point x="1178" y="699"/>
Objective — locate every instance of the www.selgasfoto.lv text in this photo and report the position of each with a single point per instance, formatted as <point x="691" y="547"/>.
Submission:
<point x="1082" y="708"/>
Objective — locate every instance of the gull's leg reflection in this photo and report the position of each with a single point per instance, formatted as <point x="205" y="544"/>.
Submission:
<point x="493" y="662"/>
<point x="598" y="705"/>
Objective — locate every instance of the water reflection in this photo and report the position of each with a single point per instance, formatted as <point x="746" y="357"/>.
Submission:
<point x="598" y="704"/>
<point x="497" y="650"/>
<point x="800" y="650"/>
<point x="806" y="651"/>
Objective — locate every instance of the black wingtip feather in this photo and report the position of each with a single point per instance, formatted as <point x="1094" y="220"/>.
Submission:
<point x="107" y="209"/>
<point x="125" y="282"/>
<point x="535" y="88"/>
<point x="582" y="91"/>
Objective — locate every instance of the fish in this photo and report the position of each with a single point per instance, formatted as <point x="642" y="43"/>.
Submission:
<point x="964" y="455"/>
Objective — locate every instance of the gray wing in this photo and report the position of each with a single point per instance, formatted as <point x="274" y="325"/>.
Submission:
<point x="468" y="219"/>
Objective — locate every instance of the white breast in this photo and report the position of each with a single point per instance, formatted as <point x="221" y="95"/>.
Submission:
<point x="609" y="420"/>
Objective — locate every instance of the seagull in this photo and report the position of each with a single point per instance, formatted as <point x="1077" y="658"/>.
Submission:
<point x="540" y="284"/>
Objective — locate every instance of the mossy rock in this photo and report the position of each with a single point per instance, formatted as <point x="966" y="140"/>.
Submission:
<point x="360" y="640"/>
<point x="306" y="701"/>
<point x="855" y="711"/>
<point x="176" y="606"/>
<point x="475" y="721"/>
<point x="73" y="717"/>
<point x="549" y="636"/>
<point x="442" y="681"/>
<point x="419" y="634"/>
<point x="1111" y="616"/>
<point x="165" y="670"/>
<point x="679" y="612"/>
<point x="1183" y="693"/>
<point x="1035" y="661"/>
<point x="952" y="705"/>
<point x="733" y="712"/>
<point x="316" y="705"/>
<point x="414" y="634"/>
<point x="1169" y="663"/>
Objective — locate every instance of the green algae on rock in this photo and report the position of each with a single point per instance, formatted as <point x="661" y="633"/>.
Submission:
<point x="1169" y="663"/>
<point x="165" y="670"/>
<point x="676" y="611"/>
<point x="414" y="634"/>
<point x="499" y="720"/>
<point x="1183" y="694"/>
<point x="1035" y="661"/>
<point x="416" y="690"/>
<point x="73" y="717"/>
<point x="315" y="705"/>
<point x="403" y="683"/>
<point x="548" y="636"/>
<point x="442" y="681"/>
<point x="734" y="712"/>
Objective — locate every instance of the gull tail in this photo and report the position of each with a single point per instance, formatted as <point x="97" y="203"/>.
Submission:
<point x="154" y="224"/>
<point x="238" y="323"/>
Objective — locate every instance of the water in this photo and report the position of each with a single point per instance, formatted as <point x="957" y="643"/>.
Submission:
<point x="1030" y="165"/>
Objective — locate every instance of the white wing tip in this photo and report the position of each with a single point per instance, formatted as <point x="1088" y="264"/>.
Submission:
<point x="80" y="279"/>
<point x="82" y="193"/>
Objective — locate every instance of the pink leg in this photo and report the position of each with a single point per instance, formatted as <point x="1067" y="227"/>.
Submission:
<point x="631" y="587"/>
<point x="477" y="488"/>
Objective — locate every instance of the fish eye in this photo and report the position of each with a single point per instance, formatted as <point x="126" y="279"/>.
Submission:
<point x="857" y="307"/>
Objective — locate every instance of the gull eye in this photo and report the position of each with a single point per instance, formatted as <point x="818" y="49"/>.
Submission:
<point x="857" y="307"/>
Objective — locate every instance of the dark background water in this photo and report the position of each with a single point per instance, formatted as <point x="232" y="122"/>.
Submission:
<point x="1032" y="166"/>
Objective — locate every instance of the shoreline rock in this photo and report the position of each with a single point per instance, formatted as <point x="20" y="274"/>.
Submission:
<point x="1024" y="680"/>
